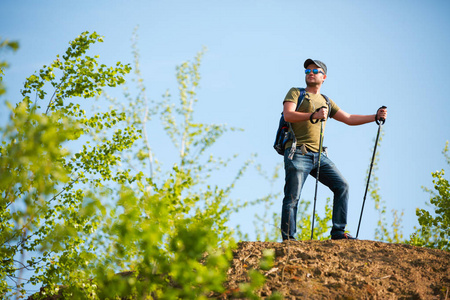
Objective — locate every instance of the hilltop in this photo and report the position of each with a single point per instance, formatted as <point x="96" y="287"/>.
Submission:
<point x="343" y="270"/>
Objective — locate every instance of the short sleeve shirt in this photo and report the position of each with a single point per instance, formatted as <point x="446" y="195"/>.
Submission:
<point x="306" y="132"/>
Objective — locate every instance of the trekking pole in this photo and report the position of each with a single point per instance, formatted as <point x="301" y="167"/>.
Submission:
<point x="380" y="123"/>
<point x="318" y="171"/>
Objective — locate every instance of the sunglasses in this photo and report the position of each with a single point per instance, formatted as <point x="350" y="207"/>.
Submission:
<point x="315" y="71"/>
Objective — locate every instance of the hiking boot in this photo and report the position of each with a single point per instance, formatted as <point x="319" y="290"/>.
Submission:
<point x="343" y="236"/>
<point x="289" y="239"/>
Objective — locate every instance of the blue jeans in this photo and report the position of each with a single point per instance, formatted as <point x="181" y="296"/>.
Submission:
<point x="297" y="170"/>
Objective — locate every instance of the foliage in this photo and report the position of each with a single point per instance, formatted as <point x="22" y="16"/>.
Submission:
<point x="434" y="231"/>
<point x="47" y="211"/>
<point x="85" y="204"/>
<point x="163" y="248"/>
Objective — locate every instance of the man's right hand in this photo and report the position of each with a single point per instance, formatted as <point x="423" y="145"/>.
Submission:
<point x="322" y="113"/>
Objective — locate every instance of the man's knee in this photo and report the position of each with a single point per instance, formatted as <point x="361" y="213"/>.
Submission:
<point x="342" y="187"/>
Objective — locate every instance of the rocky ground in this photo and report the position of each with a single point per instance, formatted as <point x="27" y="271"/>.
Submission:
<point x="343" y="270"/>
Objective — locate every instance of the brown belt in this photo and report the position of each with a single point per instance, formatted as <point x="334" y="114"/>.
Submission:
<point x="305" y="149"/>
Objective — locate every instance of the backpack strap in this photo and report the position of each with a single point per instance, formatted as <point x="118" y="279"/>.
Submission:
<point x="301" y="96"/>
<point x="328" y="104"/>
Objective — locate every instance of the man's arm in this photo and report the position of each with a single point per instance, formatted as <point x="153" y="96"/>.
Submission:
<point x="349" y="119"/>
<point x="292" y="116"/>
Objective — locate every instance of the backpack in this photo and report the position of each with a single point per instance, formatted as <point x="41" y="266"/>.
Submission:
<point x="285" y="132"/>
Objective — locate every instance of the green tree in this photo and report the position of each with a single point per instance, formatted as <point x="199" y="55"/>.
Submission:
<point x="85" y="205"/>
<point x="47" y="211"/>
<point x="435" y="226"/>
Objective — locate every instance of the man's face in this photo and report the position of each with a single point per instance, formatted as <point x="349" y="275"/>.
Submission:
<point x="315" y="79"/>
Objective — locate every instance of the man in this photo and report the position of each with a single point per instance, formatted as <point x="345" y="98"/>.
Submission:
<point x="305" y="160"/>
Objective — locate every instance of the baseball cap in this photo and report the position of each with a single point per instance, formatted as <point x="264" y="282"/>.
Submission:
<point x="317" y="63"/>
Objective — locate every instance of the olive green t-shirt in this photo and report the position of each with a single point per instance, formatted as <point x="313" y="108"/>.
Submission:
<point x="306" y="132"/>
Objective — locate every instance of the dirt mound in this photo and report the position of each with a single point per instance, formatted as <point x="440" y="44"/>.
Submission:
<point x="343" y="270"/>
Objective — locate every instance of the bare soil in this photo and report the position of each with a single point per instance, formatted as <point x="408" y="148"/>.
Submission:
<point x="344" y="269"/>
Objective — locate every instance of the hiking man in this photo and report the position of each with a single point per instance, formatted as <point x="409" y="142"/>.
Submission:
<point x="305" y="159"/>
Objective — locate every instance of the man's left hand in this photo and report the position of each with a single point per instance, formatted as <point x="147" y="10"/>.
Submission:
<point x="382" y="113"/>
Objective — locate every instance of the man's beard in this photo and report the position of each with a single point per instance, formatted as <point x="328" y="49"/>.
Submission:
<point x="312" y="84"/>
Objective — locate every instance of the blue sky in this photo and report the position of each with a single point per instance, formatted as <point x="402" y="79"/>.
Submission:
<point x="392" y="53"/>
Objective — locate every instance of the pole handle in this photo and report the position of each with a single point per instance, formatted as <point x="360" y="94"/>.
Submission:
<point x="381" y="120"/>
<point x="316" y="120"/>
